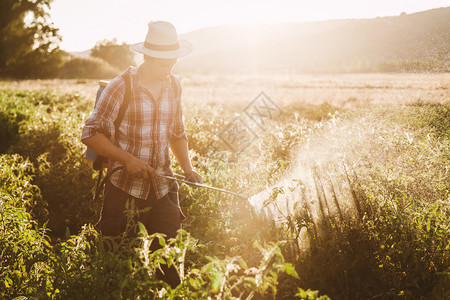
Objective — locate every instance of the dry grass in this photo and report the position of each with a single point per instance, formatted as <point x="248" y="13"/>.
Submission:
<point x="343" y="90"/>
<point x="85" y="88"/>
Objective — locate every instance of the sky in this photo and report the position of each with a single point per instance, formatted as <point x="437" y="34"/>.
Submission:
<point x="82" y="23"/>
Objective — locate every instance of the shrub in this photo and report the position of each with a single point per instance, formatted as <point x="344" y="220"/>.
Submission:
<point x="78" y="67"/>
<point x="48" y="134"/>
<point x="117" y="55"/>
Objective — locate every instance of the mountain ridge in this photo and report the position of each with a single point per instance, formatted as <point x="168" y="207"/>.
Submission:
<point x="408" y="42"/>
<point x="340" y="45"/>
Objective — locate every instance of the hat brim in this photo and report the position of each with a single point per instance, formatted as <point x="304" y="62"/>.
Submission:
<point x="184" y="49"/>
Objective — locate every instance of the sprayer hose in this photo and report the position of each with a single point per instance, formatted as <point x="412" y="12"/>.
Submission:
<point x="101" y="183"/>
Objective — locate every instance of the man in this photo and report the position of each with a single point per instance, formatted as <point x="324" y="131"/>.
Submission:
<point x="151" y="124"/>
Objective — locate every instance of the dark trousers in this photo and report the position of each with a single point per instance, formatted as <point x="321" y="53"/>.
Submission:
<point x="157" y="215"/>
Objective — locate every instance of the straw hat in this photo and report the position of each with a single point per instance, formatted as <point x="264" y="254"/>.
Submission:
<point x="162" y="42"/>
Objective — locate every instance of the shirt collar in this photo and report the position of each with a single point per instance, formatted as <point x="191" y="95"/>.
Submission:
<point x="135" y="73"/>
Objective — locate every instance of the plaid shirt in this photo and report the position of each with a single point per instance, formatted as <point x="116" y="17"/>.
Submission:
<point x="146" y="130"/>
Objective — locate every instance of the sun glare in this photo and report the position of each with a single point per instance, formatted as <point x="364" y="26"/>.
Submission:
<point x="193" y="15"/>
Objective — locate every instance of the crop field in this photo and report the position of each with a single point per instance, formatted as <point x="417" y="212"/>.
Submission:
<point x="348" y="178"/>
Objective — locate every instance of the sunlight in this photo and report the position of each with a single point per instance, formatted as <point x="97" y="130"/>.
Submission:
<point x="193" y="15"/>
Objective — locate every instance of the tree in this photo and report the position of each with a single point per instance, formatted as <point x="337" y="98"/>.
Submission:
<point x="28" y="40"/>
<point x="118" y="56"/>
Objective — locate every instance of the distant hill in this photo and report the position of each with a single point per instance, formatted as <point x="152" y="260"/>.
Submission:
<point x="409" y="42"/>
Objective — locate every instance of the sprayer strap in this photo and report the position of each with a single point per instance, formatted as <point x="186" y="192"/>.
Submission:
<point x="126" y="101"/>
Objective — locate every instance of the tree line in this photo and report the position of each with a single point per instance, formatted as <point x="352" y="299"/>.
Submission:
<point x="29" y="47"/>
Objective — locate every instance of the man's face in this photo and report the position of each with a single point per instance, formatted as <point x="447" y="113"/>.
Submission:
<point x="159" y="67"/>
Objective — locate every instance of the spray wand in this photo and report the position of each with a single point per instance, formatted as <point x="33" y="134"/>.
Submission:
<point x="182" y="179"/>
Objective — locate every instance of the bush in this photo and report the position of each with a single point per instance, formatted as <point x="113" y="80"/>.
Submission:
<point x="48" y="134"/>
<point x="95" y="68"/>
<point x="118" y="55"/>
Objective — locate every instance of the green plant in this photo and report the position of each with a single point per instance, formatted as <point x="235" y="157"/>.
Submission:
<point x="367" y="190"/>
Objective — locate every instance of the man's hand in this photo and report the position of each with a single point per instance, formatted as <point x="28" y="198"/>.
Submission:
<point x="180" y="149"/>
<point x="139" y="168"/>
<point x="103" y="146"/>
<point x="193" y="176"/>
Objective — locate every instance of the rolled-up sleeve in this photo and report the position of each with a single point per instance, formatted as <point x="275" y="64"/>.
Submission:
<point x="101" y="121"/>
<point x="178" y="125"/>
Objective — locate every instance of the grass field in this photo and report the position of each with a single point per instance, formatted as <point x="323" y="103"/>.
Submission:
<point x="336" y="89"/>
<point x="352" y="172"/>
